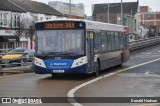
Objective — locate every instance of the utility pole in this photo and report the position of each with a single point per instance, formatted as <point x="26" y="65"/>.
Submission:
<point x="121" y="12"/>
<point x="108" y="12"/>
<point x="69" y="8"/>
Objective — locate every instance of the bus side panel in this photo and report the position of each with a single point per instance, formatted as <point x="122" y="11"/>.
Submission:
<point x="110" y="59"/>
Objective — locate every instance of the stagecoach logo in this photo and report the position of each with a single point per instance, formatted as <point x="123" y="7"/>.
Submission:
<point x="57" y="64"/>
<point x="58" y="58"/>
<point x="60" y="64"/>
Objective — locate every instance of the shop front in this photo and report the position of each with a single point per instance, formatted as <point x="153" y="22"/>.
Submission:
<point x="8" y="39"/>
<point x="9" y="42"/>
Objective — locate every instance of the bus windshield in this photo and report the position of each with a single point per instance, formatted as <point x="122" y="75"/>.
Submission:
<point x="60" y="41"/>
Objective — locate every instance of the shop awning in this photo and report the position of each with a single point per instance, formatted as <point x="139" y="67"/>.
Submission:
<point x="9" y="38"/>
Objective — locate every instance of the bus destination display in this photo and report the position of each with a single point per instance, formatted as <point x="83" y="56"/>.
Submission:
<point x="66" y="25"/>
<point x="60" y="25"/>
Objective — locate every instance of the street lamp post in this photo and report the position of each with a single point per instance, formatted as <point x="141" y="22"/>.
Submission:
<point x="121" y="12"/>
<point x="108" y="12"/>
<point x="70" y="8"/>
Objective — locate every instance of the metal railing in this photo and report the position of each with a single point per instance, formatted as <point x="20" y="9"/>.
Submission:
<point x="143" y="43"/>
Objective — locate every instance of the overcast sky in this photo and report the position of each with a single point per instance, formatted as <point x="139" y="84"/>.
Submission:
<point x="154" y="4"/>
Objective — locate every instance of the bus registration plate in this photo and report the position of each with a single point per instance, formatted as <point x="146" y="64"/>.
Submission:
<point x="58" y="71"/>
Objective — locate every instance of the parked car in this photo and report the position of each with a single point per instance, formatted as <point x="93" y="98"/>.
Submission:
<point x="17" y="56"/>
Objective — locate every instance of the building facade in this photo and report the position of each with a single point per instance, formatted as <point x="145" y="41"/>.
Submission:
<point x="111" y="13"/>
<point x="77" y="10"/>
<point x="149" y="21"/>
<point x="17" y="18"/>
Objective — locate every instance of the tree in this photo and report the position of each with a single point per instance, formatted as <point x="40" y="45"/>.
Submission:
<point x="31" y="32"/>
<point x="25" y="28"/>
<point x="20" y="28"/>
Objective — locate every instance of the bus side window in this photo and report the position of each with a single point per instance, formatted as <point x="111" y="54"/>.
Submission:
<point x="98" y="42"/>
<point x="113" y="40"/>
<point x="104" y="41"/>
<point x="109" y="42"/>
<point x="116" y="41"/>
<point x="125" y="41"/>
<point x="121" y="40"/>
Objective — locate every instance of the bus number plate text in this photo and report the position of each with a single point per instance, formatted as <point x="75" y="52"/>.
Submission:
<point x="58" y="71"/>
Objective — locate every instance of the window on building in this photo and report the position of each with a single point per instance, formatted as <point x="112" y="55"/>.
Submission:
<point x="118" y="18"/>
<point x="34" y="17"/>
<point x="48" y="17"/>
<point x="3" y="19"/>
<point x="149" y="16"/>
<point x="41" y="18"/>
<point x="16" y="20"/>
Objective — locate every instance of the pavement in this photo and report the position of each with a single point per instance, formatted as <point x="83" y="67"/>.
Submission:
<point x="13" y="69"/>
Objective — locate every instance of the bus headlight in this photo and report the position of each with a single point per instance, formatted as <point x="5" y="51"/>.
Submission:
<point x="39" y="62"/>
<point x="79" y="62"/>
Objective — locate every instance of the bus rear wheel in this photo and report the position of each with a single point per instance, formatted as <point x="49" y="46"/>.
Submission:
<point x="122" y="60"/>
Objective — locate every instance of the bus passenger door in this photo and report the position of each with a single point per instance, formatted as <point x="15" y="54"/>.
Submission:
<point x="90" y="50"/>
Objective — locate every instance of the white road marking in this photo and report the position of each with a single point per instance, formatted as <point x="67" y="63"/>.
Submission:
<point x="70" y="94"/>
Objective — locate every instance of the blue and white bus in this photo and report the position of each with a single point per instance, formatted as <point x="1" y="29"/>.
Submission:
<point x="78" y="46"/>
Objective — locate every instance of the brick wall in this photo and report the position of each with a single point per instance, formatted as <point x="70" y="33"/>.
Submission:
<point x="103" y="17"/>
<point x="158" y="16"/>
<point x="144" y="8"/>
<point x="158" y="23"/>
<point x="151" y="17"/>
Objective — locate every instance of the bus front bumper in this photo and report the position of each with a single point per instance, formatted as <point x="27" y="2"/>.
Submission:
<point x="77" y="70"/>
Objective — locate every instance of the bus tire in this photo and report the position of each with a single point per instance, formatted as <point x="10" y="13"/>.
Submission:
<point x="97" y="68"/>
<point x="122" y="60"/>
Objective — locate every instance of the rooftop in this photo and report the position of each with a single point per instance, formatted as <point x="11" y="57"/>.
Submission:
<point x="128" y="7"/>
<point x="6" y="5"/>
<point x="27" y="6"/>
